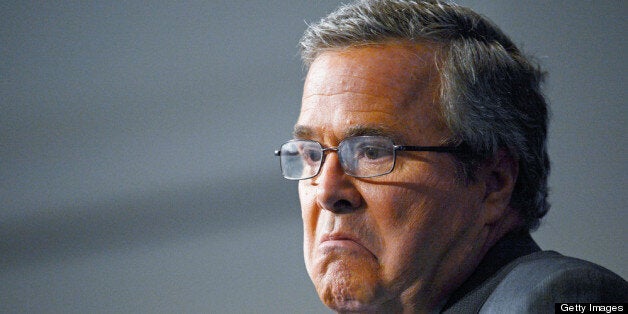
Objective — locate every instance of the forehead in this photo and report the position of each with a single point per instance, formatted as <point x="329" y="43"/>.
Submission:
<point x="382" y="69"/>
<point x="389" y="88"/>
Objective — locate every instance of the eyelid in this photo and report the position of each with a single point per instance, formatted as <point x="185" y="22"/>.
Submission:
<point x="376" y="132"/>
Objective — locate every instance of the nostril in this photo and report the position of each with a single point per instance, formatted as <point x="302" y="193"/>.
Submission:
<point x="341" y="206"/>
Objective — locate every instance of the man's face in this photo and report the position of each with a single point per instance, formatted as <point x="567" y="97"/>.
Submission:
<point x="403" y="239"/>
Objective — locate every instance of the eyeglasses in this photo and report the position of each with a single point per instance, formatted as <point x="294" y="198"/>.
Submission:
<point x="360" y="156"/>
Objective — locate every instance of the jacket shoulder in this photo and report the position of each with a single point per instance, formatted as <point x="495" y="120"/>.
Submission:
<point x="541" y="279"/>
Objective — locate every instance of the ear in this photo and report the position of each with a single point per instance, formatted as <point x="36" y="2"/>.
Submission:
<point x="499" y="176"/>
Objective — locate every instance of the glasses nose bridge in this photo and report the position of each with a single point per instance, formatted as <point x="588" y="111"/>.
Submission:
<point x="324" y="157"/>
<point x="328" y="149"/>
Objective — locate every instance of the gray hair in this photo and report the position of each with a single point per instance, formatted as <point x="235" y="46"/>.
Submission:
<point x="490" y="93"/>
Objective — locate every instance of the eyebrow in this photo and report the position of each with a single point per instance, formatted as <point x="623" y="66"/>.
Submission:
<point x="361" y="130"/>
<point x="306" y="132"/>
<point x="302" y="132"/>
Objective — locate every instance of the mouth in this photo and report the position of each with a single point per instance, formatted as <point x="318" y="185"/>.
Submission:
<point x="342" y="242"/>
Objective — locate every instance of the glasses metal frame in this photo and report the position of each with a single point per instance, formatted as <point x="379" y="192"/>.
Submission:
<point x="459" y="149"/>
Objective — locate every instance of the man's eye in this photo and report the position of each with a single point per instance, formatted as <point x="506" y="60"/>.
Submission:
<point x="374" y="152"/>
<point x="290" y="152"/>
<point x="312" y="155"/>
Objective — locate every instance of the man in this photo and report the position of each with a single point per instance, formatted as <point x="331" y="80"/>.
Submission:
<point x="421" y="154"/>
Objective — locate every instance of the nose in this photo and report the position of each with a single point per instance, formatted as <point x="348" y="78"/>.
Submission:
<point x="335" y="190"/>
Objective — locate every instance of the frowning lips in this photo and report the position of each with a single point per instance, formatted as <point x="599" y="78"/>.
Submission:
<point x="342" y="241"/>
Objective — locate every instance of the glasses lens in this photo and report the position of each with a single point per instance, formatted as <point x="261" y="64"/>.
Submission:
<point x="301" y="159"/>
<point x="367" y="156"/>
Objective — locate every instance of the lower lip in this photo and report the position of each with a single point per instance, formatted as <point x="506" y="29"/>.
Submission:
<point x="342" y="245"/>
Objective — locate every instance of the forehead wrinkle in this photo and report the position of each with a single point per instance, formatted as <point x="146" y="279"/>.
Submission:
<point x="348" y="81"/>
<point x="342" y="93"/>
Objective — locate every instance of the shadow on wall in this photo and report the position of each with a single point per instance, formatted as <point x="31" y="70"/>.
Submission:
<point x="138" y="220"/>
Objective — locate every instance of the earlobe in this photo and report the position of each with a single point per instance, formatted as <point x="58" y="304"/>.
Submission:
<point x="500" y="178"/>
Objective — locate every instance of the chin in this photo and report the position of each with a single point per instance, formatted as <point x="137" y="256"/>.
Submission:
<point x="348" y="299"/>
<point x="349" y="287"/>
<point x="354" y="307"/>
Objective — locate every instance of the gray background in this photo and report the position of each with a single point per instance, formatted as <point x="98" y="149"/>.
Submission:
<point x="136" y="140"/>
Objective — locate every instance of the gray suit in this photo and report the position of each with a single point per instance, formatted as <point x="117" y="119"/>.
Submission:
<point x="515" y="276"/>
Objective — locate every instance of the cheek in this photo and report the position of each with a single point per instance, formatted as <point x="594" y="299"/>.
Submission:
<point x="398" y="208"/>
<point x="420" y="197"/>
<point x="309" y="215"/>
<point x="307" y="201"/>
<point x="418" y="222"/>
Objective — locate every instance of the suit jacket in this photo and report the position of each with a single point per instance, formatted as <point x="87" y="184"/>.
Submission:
<point x="515" y="276"/>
